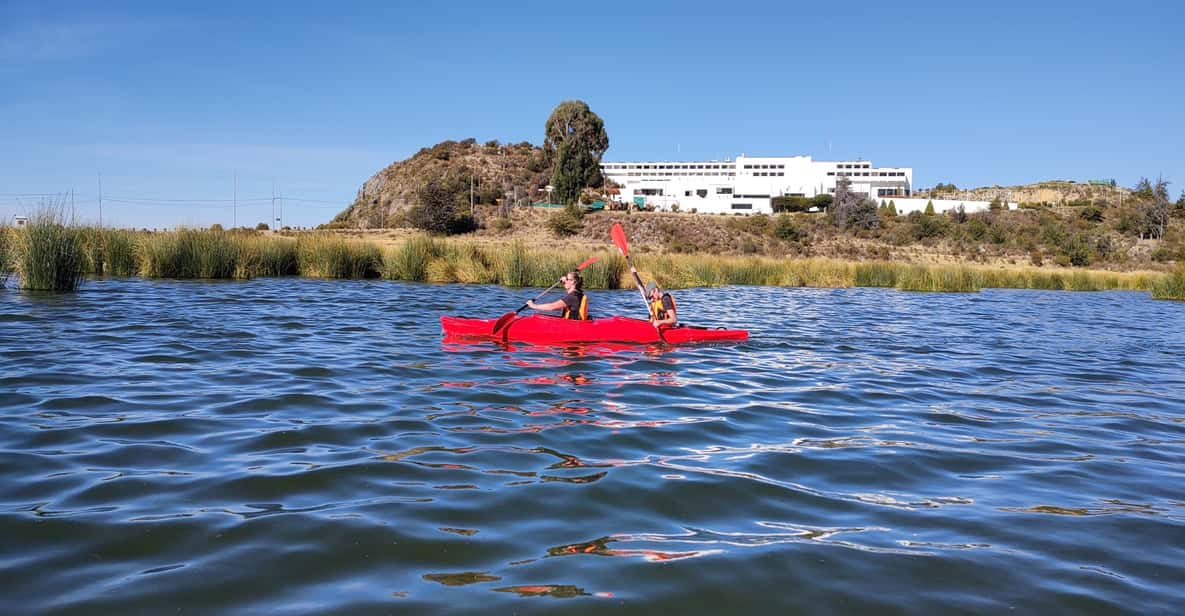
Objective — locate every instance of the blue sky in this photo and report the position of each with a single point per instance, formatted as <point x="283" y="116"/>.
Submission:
<point x="174" y="104"/>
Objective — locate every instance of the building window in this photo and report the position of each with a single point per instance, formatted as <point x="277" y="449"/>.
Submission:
<point x="742" y="206"/>
<point x="830" y="173"/>
<point x="723" y="191"/>
<point x="701" y="193"/>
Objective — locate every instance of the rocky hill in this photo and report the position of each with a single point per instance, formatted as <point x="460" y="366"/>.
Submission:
<point x="494" y="170"/>
<point x="1051" y="192"/>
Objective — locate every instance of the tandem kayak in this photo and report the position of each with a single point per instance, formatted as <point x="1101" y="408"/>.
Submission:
<point x="540" y="328"/>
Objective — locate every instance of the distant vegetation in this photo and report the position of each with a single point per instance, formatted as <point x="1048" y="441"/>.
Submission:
<point x="61" y="254"/>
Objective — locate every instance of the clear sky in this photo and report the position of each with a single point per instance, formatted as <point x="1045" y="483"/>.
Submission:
<point x="177" y="104"/>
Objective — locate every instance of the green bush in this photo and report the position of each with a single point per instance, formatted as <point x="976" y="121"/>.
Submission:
<point x="566" y="222"/>
<point x="786" y="230"/>
<point x="790" y="203"/>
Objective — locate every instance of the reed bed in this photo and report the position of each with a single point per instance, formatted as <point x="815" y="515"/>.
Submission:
<point x="5" y="258"/>
<point x="410" y="261"/>
<point x="48" y="253"/>
<point x="277" y="256"/>
<point x="324" y="255"/>
<point x="119" y="252"/>
<point x="1171" y="286"/>
<point x="52" y="255"/>
<point x="197" y="253"/>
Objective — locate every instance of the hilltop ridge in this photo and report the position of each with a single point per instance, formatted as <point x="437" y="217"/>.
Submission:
<point x="493" y="170"/>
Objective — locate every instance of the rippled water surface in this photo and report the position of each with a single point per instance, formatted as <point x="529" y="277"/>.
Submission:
<point x="302" y="446"/>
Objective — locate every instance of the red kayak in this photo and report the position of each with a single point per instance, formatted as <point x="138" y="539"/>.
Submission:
<point x="540" y="328"/>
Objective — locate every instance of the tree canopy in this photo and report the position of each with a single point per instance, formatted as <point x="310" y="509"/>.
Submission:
<point x="574" y="140"/>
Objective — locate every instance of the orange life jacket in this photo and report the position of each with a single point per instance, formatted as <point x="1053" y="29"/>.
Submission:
<point x="582" y="313"/>
<point x="657" y="312"/>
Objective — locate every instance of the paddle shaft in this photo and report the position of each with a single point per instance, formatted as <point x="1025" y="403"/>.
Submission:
<point x="505" y="319"/>
<point x="536" y="298"/>
<point x="618" y="235"/>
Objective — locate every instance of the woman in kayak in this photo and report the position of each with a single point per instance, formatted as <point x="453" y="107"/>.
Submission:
<point x="574" y="304"/>
<point x="662" y="307"/>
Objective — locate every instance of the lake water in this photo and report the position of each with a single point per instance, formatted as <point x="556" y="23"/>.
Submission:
<point x="302" y="446"/>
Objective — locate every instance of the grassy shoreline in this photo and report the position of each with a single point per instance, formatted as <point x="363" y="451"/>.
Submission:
<point x="216" y="254"/>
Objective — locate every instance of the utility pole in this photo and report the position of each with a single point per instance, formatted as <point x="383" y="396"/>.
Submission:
<point x="281" y="209"/>
<point x="100" y="199"/>
<point x="272" y="222"/>
<point x="234" y="200"/>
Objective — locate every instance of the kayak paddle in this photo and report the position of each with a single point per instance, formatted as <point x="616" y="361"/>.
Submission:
<point x="505" y="319"/>
<point x="618" y="235"/>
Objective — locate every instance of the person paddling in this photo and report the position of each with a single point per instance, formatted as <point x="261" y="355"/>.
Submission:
<point x="574" y="304"/>
<point x="662" y="307"/>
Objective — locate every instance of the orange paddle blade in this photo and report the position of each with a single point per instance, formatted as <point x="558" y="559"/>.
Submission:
<point x="618" y="235"/>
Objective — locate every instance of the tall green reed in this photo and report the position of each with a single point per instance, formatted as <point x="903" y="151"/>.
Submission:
<point x="1170" y="286"/>
<point x="324" y="255"/>
<point x="5" y="258"/>
<point x="410" y="260"/>
<point x="49" y="252"/>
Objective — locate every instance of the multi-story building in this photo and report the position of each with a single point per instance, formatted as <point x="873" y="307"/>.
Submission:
<point x="747" y="184"/>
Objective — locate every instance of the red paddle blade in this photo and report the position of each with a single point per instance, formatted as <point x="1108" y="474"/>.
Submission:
<point x="502" y="322"/>
<point x="618" y="235"/>
<point x="586" y="263"/>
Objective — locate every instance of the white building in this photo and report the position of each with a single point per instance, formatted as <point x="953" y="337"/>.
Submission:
<point x="747" y="184"/>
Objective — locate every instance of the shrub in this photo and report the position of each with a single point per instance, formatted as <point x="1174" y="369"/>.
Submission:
<point x="790" y="203"/>
<point x="436" y="211"/>
<point x="1092" y="212"/>
<point x="926" y="226"/>
<point x="786" y="230"/>
<point x="568" y="221"/>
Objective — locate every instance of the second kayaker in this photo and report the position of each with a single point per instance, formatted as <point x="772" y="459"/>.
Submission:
<point x="662" y="307"/>
<point x="574" y="304"/>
